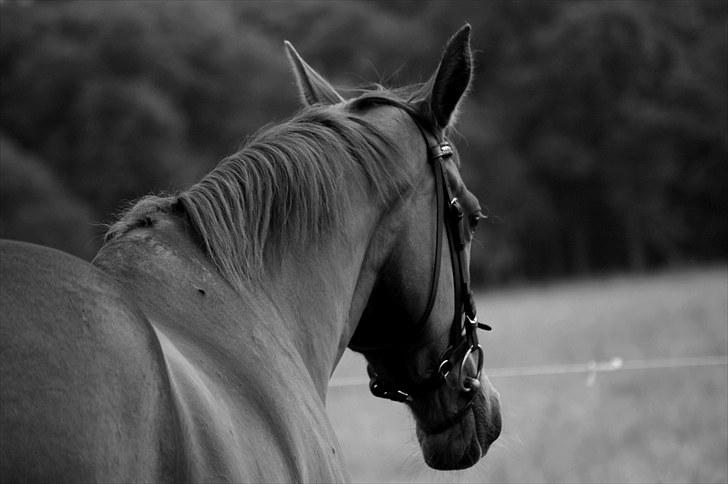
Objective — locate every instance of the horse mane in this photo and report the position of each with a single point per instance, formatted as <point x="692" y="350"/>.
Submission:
<point x="286" y="185"/>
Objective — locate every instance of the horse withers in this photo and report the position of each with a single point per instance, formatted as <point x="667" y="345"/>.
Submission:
<point x="198" y="344"/>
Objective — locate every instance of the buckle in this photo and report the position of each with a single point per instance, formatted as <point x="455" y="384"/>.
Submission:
<point x="456" y="208"/>
<point x="442" y="150"/>
<point x="381" y="390"/>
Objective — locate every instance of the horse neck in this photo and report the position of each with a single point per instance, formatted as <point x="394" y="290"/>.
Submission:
<point x="320" y="292"/>
<point x="312" y="297"/>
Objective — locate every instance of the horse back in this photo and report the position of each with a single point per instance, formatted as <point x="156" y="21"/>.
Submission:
<point x="85" y="393"/>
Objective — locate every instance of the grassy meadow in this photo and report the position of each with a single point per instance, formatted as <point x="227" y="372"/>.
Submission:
<point x="650" y="425"/>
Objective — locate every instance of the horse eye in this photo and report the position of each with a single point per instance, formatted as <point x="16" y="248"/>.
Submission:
<point x="474" y="219"/>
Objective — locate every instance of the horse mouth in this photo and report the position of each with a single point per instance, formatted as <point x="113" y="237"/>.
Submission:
<point x="462" y="444"/>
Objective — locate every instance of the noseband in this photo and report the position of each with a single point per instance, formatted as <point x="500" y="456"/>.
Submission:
<point x="463" y="338"/>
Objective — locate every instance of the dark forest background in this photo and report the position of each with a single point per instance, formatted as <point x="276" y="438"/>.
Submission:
<point x="596" y="133"/>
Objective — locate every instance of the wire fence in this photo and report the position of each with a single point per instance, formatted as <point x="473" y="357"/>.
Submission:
<point x="591" y="369"/>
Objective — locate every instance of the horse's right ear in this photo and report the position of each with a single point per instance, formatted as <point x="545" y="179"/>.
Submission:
<point x="452" y="79"/>
<point x="313" y="88"/>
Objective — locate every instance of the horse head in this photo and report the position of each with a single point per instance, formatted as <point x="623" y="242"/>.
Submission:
<point x="418" y="327"/>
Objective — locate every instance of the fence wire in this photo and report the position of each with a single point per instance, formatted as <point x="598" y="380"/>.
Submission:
<point x="591" y="368"/>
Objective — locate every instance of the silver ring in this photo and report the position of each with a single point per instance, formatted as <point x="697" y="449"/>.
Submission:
<point x="479" y="366"/>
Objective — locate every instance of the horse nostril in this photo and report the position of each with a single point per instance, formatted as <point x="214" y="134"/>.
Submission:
<point x="470" y="384"/>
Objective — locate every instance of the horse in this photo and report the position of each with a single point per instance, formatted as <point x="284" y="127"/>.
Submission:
<point x="198" y="343"/>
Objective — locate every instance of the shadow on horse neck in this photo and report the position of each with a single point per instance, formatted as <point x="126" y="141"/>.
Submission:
<point x="289" y="220"/>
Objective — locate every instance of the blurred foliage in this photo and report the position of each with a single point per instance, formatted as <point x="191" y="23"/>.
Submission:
<point x="37" y="208"/>
<point x="596" y="132"/>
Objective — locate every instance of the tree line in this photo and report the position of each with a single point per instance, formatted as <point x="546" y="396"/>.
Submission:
<point x="595" y="132"/>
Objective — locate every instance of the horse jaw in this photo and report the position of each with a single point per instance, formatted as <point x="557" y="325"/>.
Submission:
<point x="463" y="444"/>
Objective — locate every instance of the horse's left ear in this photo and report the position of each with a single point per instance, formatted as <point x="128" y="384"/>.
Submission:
<point x="313" y="88"/>
<point x="452" y="79"/>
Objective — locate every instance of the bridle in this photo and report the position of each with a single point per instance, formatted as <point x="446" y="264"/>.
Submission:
<point x="463" y="338"/>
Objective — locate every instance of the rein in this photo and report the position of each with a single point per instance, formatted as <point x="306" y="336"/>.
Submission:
<point x="463" y="338"/>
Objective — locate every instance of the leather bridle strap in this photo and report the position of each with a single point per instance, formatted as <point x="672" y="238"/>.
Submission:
<point x="440" y="224"/>
<point x="435" y="155"/>
<point x="463" y="339"/>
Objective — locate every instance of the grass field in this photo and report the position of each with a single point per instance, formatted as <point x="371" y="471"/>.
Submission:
<point x="652" y="425"/>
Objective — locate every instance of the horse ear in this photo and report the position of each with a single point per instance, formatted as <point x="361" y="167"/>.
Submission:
<point x="313" y="88"/>
<point x="452" y="79"/>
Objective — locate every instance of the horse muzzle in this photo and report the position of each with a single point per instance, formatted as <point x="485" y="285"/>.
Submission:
<point x="461" y="443"/>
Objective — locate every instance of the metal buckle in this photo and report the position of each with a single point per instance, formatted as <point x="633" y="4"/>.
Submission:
<point x="474" y="323"/>
<point x="456" y="208"/>
<point x="442" y="150"/>
<point x="471" y="326"/>
<point x="380" y="390"/>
